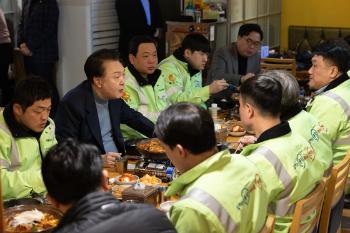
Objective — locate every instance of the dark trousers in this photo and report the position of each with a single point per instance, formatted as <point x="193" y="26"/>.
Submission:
<point x="46" y="71"/>
<point x="6" y="85"/>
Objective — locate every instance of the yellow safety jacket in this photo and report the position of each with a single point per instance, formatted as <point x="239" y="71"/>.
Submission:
<point x="221" y="194"/>
<point x="176" y="84"/>
<point x="289" y="167"/>
<point x="332" y="109"/>
<point x="139" y="94"/>
<point x="20" y="160"/>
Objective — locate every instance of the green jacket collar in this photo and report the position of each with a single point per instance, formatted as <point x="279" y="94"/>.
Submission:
<point x="184" y="180"/>
<point x="151" y="78"/>
<point x="17" y="130"/>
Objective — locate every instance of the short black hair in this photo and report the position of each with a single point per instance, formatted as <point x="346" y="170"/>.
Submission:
<point x="72" y="170"/>
<point x="93" y="66"/>
<point x="188" y="125"/>
<point x="31" y="89"/>
<point x="247" y="28"/>
<point x="195" y="42"/>
<point x="264" y="92"/>
<point x="137" y="40"/>
<point x="337" y="51"/>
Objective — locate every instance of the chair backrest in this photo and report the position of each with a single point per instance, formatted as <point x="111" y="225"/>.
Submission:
<point x="269" y="224"/>
<point x="335" y="190"/>
<point x="310" y="205"/>
<point x="279" y="64"/>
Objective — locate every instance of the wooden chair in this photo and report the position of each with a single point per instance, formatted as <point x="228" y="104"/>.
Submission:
<point x="269" y="224"/>
<point x="335" y="191"/>
<point x="305" y="207"/>
<point x="279" y="64"/>
<point x="346" y="214"/>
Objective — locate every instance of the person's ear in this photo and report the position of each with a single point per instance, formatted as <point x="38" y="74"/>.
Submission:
<point x="97" y="81"/>
<point x="187" y="53"/>
<point x="104" y="181"/>
<point x="17" y="109"/>
<point x="334" y="72"/>
<point x="181" y="151"/>
<point x="132" y="59"/>
<point x="250" y="111"/>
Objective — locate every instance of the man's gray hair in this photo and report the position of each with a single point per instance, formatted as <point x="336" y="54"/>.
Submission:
<point x="290" y="87"/>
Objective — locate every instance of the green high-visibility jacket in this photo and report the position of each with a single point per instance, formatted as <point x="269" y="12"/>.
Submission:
<point x="332" y="109"/>
<point x="307" y="126"/>
<point x="221" y="194"/>
<point x="140" y="98"/>
<point x="290" y="168"/>
<point x="176" y="85"/>
<point x="20" y="161"/>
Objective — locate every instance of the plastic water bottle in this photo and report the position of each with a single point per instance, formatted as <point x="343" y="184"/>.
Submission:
<point x="214" y="111"/>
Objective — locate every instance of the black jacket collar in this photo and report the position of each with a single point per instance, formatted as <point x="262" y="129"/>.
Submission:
<point x="151" y="78"/>
<point x="291" y="112"/>
<point x="179" y="55"/>
<point x="17" y="130"/>
<point x="88" y="205"/>
<point x="275" y="132"/>
<point x="342" y="78"/>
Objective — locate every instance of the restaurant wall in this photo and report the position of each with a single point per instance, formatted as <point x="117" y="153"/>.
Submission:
<point x="313" y="13"/>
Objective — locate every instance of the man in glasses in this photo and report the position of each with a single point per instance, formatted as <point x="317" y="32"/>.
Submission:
<point x="239" y="61"/>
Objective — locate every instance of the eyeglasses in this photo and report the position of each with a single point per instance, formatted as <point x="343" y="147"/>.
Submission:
<point x="251" y="42"/>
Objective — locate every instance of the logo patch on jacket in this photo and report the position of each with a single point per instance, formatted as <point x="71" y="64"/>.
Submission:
<point x="171" y="79"/>
<point x="126" y="96"/>
<point x="248" y="188"/>
<point x="303" y="156"/>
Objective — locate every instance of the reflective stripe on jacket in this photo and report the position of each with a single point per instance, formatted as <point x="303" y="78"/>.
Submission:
<point x="221" y="194"/>
<point x="21" y="164"/>
<point x="332" y="109"/>
<point x="290" y="168"/>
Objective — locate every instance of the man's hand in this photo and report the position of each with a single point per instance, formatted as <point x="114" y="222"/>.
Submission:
<point x="25" y="50"/>
<point x="217" y="86"/>
<point x="246" y="140"/>
<point x="247" y="76"/>
<point x="109" y="159"/>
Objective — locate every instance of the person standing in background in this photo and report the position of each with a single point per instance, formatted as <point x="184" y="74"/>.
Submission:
<point x="5" y="61"/>
<point x="37" y="40"/>
<point x="137" y="17"/>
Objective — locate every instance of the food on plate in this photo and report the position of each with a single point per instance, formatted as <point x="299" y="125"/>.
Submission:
<point x="127" y="177"/>
<point x="150" y="180"/>
<point x="30" y="221"/>
<point x="237" y="128"/>
<point x="152" y="146"/>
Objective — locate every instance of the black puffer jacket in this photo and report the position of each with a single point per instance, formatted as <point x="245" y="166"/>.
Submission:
<point x="95" y="209"/>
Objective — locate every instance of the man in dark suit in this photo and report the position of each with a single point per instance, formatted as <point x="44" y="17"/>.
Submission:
<point x="93" y="111"/>
<point x="37" y="40"/>
<point x="237" y="62"/>
<point x="137" y="17"/>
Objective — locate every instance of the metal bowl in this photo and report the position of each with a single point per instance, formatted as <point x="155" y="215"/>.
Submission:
<point x="150" y="154"/>
<point x="43" y="208"/>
